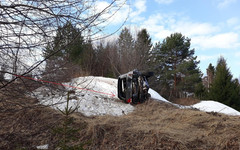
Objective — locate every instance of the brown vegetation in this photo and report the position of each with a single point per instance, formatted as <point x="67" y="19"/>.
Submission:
<point x="186" y="101"/>
<point x="153" y="125"/>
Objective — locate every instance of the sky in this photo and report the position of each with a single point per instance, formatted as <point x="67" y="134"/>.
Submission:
<point x="212" y="25"/>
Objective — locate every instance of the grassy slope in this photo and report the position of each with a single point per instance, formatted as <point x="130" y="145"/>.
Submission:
<point x="159" y="125"/>
<point x="153" y="125"/>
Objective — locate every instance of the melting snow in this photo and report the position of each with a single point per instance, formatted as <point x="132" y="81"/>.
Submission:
<point x="213" y="106"/>
<point x="156" y="96"/>
<point x="93" y="96"/>
<point x="98" y="96"/>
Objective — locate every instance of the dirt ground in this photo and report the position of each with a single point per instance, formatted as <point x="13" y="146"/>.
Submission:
<point x="153" y="125"/>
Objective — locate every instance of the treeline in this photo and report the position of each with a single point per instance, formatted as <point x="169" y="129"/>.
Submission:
<point x="83" y="57"/>
<point x="220" y="86"/>
<point x="177" y="74"/>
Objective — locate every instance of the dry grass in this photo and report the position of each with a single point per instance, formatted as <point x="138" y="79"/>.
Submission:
<point x="157" y="125"/>
<point x="153" y="125"/>
<point x="186" y="101"/>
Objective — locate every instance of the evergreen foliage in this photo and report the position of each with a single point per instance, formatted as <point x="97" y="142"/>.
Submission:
<point x="211" y="68"/>
<point x="176" y="67"/>
<point x="87" y="57"/>
<point x="133" y="53"/>
<point x="66" y="132"/>
<point x="201" y="91"/>
<point x="126" y="51"/>
<point x="63" y="65"/>
<point x="105" y="60"/>
<point x="66" y="35"/>
<point x="191" y="76"/>
<point x="224" y="89"/>
<point x="143" y="46"/>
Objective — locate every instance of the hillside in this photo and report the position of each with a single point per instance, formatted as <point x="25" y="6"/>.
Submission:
<point x="152" y="125"/>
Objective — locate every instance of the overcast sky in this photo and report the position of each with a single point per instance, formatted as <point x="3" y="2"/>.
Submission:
<point x="212" y="25"/>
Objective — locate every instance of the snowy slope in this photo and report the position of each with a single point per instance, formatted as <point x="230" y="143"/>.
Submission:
<point x="155" y="95"/>
<point x="91" y="97"/>
<point x="213" y="106"/>
<point x="207" y="105"/>
<point x="98" y="96"/>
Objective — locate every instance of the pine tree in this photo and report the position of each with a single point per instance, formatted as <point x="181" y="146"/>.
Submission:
<point x="223" y="89"/>
<point x="175" y="65"/>
<point x="190" y="76"/>
<point x="162" y="82"/>
<point x="104" y="61"/>
<point x="236" y="89"/>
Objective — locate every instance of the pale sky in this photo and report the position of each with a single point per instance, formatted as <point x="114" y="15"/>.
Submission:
<point x="212" y="25"/>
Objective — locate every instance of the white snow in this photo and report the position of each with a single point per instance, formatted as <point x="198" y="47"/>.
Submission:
<point x="93" y="96"/>
<point x="213" y="106"/>
<point x="206" y="105"/>
<point x="42" y="146"/>
<point x="156" y="96"/>
<point x="98" y="96"/>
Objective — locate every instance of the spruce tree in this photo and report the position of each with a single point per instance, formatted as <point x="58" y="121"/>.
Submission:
<point x="67" y="34"/>
<point x="143" y="45"/>
<point x="63" y="65"/>
<point x="224" y="89"/>
<point x="126" y="51"/>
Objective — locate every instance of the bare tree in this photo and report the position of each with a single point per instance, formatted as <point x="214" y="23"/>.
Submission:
<point x="28" y="25"/>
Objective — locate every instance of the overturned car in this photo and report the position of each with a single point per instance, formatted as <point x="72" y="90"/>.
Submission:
<point x="133" y="86"/>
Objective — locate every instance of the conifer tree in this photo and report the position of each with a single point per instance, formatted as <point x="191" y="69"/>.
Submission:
<point x="87" y="57"/>
<point x="66" y="132"/>
<point x="210" y="75"/>
<point x="162" y="82"/>
<point x="105" y="61"/>
<point x="190" y="76"/>
<point x="176" y="67"/>
<point x="224" y="89"/>
<point x="66" y="34"/>
<point x="201" y="91"/>
<point x="126" y="51"/>
<point x="143" y="45"/>
<point x="66" y="63"/>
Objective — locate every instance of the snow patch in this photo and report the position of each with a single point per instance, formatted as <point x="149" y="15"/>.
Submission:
<point x="213" y="106"/>
<point x="92" y="97"/>
<point x="206" y="105"/>
<point x="155" y="95"/>
<point x="42" y="146"/>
